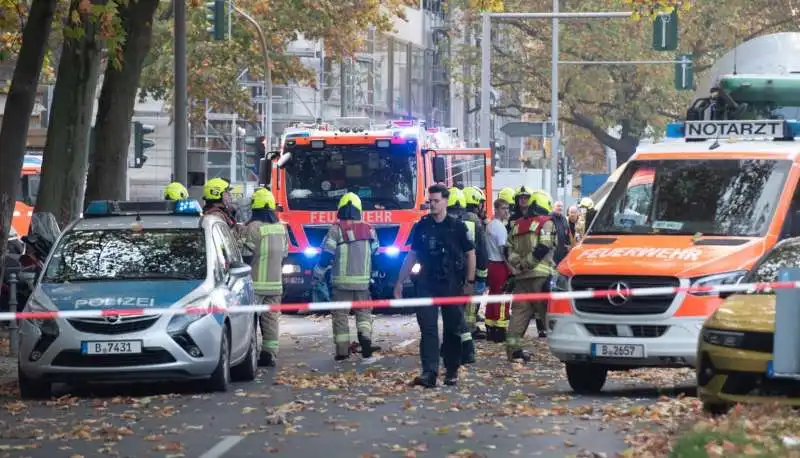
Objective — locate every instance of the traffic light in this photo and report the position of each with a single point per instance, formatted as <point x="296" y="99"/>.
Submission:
<point x="665" y="31"/>
<point x="684" y="73"/>
<point x="218" y="17"/>
<point x="140" y="143"/>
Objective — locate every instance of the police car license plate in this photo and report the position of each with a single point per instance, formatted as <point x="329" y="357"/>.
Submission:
<point x="617" y="351"/>
<point x="116" y="347"/>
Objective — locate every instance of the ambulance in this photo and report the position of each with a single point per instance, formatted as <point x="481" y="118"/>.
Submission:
<point x="389" y="167"/>
<point x="698" y="212"/>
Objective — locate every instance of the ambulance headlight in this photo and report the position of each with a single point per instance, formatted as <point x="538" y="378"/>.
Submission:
<point x="559" y="282"/>
<point x="727" y="278"/>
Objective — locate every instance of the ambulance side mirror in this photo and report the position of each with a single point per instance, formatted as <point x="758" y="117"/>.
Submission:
<point x="439" y="170"/>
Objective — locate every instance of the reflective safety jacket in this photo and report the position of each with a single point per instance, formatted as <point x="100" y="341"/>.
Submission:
<point x="531" y="245"/>
<point x="351" y="246"/>
<point x="476" y="231"/>
<point x="269" y="243"/>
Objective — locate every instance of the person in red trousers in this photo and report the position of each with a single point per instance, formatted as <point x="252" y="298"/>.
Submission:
<point x="497" y="314"/>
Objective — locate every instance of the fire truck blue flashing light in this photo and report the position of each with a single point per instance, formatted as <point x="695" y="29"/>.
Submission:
<point x="311" y="251"/>
<point x="392" y="251"/>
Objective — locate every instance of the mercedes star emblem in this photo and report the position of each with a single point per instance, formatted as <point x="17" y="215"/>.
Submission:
<point x="619" y="293"/>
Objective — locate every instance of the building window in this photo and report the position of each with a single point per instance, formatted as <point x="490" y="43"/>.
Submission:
<point x="381" y="69"/>
<point x="400" y="96"/>
<point x="418" y="102"/>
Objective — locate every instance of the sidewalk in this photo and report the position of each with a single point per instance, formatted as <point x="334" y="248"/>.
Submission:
<point x="8" y="363"/>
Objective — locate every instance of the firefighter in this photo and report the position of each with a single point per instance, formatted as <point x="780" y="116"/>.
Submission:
<point x="267" y="245"/>
<point x="217" y="196"/>
<point x="349" y="247"/>
<point x="175" y="191"/>
<point x="521" y="203"/>
<point x="587" y="212"/>
<point x="530" y="249"/>
<point x="456" y="205"/>
<point x="475" y="200"/>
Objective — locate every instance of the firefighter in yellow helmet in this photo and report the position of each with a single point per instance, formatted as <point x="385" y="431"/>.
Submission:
<point x="349" y="247"/>
<point x="475" y="200"/>
<point x="456" y="207"/>
<point x="587" y="213"/>
<point x="521" y="202"/>
<point x="266" y="245"/>
<point x="175" y="191"/>
<point x="217" y="196"/>
<point x="530" y="249"/>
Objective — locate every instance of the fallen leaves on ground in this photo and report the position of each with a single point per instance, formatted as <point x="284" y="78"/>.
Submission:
<point x="758" y="430"/>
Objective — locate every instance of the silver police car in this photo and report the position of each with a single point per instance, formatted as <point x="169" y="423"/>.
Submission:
<point x="150" y="255"/>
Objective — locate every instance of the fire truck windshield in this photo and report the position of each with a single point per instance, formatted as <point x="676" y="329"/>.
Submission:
<point x="384" y="178"/>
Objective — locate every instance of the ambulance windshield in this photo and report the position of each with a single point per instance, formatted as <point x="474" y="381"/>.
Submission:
<point x="384" y="178"/>
<point x="725" y="197"/>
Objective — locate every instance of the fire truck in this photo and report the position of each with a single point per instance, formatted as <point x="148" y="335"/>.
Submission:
<point x="389" y="167"/>
<point x="29" y="189"/>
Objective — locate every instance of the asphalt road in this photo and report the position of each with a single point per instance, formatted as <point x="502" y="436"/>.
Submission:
<point x="312" y="406"/>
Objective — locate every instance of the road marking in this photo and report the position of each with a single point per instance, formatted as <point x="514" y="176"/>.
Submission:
<point x="223" y="447"/>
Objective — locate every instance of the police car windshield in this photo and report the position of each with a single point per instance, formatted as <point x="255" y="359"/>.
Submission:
<point x="724" y="197"/>
<point x="97" y="255"/>
<point x="384" y="178"/>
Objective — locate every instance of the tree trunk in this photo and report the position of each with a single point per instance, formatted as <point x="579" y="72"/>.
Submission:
<point x="19" y="105"/>
<point x="66" y="151"/>
<point x="108" y="166"/>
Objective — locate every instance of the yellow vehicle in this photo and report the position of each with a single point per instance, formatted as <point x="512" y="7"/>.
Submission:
<point x="734" y="355"/>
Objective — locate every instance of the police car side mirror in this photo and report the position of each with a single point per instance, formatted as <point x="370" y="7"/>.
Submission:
<point x="239" y="269"/>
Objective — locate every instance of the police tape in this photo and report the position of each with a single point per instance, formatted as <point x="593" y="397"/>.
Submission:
<point x="621" y="293"/>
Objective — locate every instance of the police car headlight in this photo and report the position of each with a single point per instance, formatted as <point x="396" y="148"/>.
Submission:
<point x="559" y="282"/>
<point x="46" y="326"/>
<point x="727" y="278"/>
<point x="289" y="269"/>
<point x="179" y="323"/>
<point x="416" y="268"/>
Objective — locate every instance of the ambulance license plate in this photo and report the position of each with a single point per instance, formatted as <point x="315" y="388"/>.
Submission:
<point x="617" y="351"/>
<point x="115" y="347"/>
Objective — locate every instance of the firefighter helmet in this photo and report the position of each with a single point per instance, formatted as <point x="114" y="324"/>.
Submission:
<point x="175" y="191"/>
<point x="262" y="198"/>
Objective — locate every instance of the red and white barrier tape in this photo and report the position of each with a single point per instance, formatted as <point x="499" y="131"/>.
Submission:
<point x="403" y="303"/>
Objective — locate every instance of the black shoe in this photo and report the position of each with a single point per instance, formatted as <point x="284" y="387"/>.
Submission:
<point x="520" y="354"/>
<point x="425" y="380"/>
<point x="540" y="326"/>
<point x="265" y="359"/>
<point x="367" y="349"/>
<point x="451" y="378"/>
<point x="341" y="357"/>
<point x="477" y="334"/>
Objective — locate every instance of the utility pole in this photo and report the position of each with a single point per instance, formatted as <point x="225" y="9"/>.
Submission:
<point x="179" y="109"/>
<point x="486" y="72"/>
<point x="267" y="73"/>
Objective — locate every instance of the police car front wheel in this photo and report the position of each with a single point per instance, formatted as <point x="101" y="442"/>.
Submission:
<point x="221" y="377"/>
<point x="31" y="388"/>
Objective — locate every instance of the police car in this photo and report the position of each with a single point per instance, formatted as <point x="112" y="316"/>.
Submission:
<point x="151" y="255"/>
